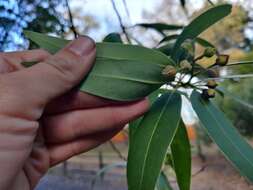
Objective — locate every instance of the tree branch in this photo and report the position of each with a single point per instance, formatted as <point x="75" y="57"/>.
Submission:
<point x="120" y="155"/>
<point x="72" y="26"/>
<point x="120" y="21"/>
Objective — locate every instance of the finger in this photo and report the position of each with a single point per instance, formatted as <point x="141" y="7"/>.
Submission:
<point x="75" y="100"/>
<point x="34" y="87"/>
<point x="72" y="125"/>
<point x="61" y="152"/>
<point x="11" y="61"/>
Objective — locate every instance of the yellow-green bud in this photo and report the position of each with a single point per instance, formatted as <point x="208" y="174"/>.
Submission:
<point x="211" y="84"/>
<point x="209" y="52"/>
<point x="208" y="93"/>
<point x="169" y="71"/>
<point x="222" y="60"/>
<point x="185" y="65"/>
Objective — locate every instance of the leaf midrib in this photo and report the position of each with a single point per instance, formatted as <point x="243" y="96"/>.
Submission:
<point x="149" y="143"/>
<point x="126" y="78"/>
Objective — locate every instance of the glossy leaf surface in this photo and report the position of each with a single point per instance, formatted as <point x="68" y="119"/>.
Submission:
<point x="200" y="24"/>
<point x="181" y="157"/>
<point x="151" y="141"/>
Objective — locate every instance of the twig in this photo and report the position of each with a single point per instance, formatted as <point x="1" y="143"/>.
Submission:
<point x="120" y="155"/>
<point x="210" y="2"/>
<point x="126" y="8"/>
<point x="72" y="26"/>
<point x="123" y="28"/>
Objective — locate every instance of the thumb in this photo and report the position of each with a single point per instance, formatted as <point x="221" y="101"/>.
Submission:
<point x="56" y="75"/>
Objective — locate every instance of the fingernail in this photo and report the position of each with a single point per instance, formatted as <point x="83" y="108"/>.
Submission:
<point x="82" y="46"/>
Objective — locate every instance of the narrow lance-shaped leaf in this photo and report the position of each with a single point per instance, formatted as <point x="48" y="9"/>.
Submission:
<point x="198" y="40"/>
<point x="134" y="124"/>
<point x="121" y="72"/>
<point x="151" y="141"/>
<point x="160" y="27"/>
<point x="223" y="133"/>
<point x="200" y="24"/>
<point x="181" y="157"/>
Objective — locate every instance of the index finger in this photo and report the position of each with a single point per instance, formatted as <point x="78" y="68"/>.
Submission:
<point x="28" y="56"/>
<point x="11" y="61"/>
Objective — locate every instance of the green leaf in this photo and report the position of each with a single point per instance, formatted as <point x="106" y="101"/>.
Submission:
<point x="160" y="27"/>
<point x="181" y="157"/>
<point x="121" y="72"/>
<point x="163" y="183"/>
<point x="182" y="52"/>
<point x="113" y="37"/>
<point x="203" y="42"/>
<point x="198" y="40"/>
<point x="223" y="133"/>
<point x="49" y="43"/>
<point x="200" y="24"/>
<point x="151" y="141"/>
<point x="134" y="124"/>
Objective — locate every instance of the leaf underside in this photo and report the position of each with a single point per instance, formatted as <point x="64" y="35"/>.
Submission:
<point x="121" y="72"/>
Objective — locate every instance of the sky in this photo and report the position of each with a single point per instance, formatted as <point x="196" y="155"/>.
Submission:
<point x="103" y="12"/>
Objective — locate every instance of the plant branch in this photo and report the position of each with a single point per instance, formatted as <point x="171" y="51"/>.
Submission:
<point x="123" y="28"/>
<point x="120" y="155"/>
<point x="72" y="26"/>
<point x="210" y="2"/>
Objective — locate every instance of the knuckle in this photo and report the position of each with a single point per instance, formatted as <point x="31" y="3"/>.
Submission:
<point x="64" y="67"/>
<point x="43" y="52"/>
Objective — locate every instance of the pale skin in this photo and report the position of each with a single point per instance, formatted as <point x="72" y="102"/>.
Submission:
<point x="45" y="120"/>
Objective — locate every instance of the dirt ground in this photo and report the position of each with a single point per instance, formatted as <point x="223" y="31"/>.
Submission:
<point x="215" y="173"/>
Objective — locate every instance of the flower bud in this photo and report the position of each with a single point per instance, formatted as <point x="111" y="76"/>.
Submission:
<point x="211" y="84"/>
<point x="222" y="60"/>
<point x="208" y="93"/>
<point x="185" y="65"/>
<point x="209" y="52"/>
<point x="169" y="71"/>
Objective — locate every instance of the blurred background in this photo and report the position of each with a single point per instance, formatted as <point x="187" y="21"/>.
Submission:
<point x="104" y="167"/>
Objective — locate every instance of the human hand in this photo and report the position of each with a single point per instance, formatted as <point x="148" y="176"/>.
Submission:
<point x="44" y="120"/>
